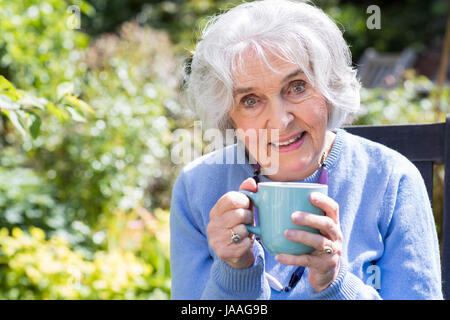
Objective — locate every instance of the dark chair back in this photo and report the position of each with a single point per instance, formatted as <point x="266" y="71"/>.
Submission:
<point x="424" y="145"/>
<point x="377" y="69"/>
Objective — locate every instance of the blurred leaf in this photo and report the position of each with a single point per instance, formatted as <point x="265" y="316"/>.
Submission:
<point x="87" y="9"/>
<point x="77" y="103"/>
<point x="29" y="100"/>
<point x="64" y="89"/>
<point x="75" y="114"/>
<point x="12" y="116"/>
<point x="8" y="89"/>
<point x="61" y="115"/>
<point x="7" y="103"/>
<point x="35" y="125"/>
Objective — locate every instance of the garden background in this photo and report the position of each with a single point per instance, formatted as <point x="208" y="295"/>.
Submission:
<point x="89" y="103"/>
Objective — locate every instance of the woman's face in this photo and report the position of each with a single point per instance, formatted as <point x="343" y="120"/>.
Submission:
<point x="264" y="99"/>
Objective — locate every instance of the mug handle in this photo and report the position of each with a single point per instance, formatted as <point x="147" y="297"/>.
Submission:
<point x="253" y="196"/>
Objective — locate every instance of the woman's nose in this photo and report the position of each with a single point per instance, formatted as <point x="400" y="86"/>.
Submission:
<point x="280" y="117"/>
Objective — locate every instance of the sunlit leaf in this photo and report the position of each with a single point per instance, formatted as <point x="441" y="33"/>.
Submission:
<point x="61" y="115"/>
<point x="35" y="124"/>
<point x="32" y="101"/>
<point x="75" y="114"/>
<point x="12" y="115"/>
<point x="77" y="103"/>
<point x="7" y="103"/>
<point x="8" y="89"/>
<point x="64" y="89"/>
<point x="87" y="9"/>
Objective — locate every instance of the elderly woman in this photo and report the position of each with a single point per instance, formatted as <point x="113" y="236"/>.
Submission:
<point x="284" y="66"/>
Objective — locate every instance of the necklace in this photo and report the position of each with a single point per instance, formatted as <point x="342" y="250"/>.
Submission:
<point x="323" y="177"/>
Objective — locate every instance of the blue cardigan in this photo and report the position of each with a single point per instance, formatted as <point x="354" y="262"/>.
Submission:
<point x="390" y="248"/>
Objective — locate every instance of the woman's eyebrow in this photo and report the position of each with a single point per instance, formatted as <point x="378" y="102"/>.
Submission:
<point x="291" y="75"/>
<point x="249" y="89"/>
<point x="242" y="90"/>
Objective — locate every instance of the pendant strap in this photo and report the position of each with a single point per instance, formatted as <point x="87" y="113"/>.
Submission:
<point x="256" y="172"/>
<point x="323" y="178"/>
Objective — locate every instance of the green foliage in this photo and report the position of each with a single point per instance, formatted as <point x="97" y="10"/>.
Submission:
<point x="97" y="181"/>
<point x="183" y="20"/>
<point x="415" y="100"/>
<point x="38" y="51"/>
<point x="28" y="199"/>
<point x="402" y="22"/>
<point x="33" y="267"/>
<point x="121" y="157"/>
<point x="23" y="109"/>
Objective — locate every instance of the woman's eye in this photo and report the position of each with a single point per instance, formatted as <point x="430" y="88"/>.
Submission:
<point x="298" y="86"/>
<point x="250" y="101"/>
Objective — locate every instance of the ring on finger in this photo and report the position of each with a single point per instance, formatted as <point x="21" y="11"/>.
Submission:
<point x="235" y="238"/>
<point x="327" y="250"/>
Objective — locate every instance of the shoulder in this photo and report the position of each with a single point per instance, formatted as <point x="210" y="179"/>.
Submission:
<point x="212" y="163"/>
<point x="390" y="171"/>
<point x="387" y="177"/>
<point x="382" y="158"/>
<point x="211" y="173"/>
<point x="201" y="182"/>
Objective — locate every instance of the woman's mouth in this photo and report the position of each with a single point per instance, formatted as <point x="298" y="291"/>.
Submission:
<point x="291" y="144"/>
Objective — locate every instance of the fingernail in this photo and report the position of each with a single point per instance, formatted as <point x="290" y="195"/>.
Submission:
<point x="281" y="258"/>
<point x="289" y="233"/>
<point x="315" y="196"/>
<point x="296" y="216"/>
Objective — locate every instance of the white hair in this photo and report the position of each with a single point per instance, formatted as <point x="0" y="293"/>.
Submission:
<point x="293" y="31"/>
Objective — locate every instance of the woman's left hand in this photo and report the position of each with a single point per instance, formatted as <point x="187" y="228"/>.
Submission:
<point x="323" y="267"/>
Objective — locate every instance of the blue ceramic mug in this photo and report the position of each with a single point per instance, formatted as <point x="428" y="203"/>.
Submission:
<point x="276" y="201"/>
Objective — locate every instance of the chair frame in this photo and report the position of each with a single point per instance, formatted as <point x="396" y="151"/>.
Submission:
<point x="424" y="145"/>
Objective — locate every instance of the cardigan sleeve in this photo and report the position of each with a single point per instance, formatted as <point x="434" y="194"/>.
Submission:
<point x="410" y="265"/>
<point x="198" y="275"/>
<point x="190" y="261"/>
<point x="229" y="283"/>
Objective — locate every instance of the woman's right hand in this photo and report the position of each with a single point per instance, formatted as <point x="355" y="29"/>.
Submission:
<point x="232" y="211"/>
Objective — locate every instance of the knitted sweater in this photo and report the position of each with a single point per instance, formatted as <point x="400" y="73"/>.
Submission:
<point x="390" y="248"/>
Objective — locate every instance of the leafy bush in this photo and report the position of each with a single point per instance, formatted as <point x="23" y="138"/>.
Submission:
<point x="400" y="27"/>
<point x="32" y="267"/>
<point x="38" y="50"/>
<point x="415" y="100"/>
<point x="24" y="110"/>
<point x="90" y="189"/>
<point x="120" y="157"/>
